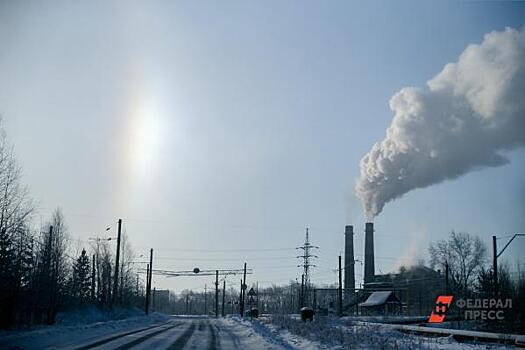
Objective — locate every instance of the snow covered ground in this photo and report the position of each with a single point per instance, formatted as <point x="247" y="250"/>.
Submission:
<point x="334" y="333"/>
<point x="187" y="332"/>
<point x="74" y="330"/>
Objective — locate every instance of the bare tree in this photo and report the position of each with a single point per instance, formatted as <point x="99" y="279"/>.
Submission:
<point x="53" y="268"/>
<point x="465" y="255"/>
<point x="15" y="212"/>
<point x="105" y="267"/>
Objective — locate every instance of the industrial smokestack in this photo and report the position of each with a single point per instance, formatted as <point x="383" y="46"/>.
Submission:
<point x="349" y="263"/>
<point x="369" y="253"/>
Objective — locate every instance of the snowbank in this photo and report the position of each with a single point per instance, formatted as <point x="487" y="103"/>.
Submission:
<point x="78" y="325"/>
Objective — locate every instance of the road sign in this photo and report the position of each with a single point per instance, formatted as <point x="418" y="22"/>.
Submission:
<point x="252" y="292"/>
<point x="251" y="301"/>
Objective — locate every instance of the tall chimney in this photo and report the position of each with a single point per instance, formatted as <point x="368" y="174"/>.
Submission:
<point x="369" y="253"/>
<point x="349" y="263"/>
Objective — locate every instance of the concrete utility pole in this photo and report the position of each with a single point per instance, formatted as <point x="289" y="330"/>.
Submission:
<point x="146" y="301"/>
<point x="216" y="293"/>
<point x="148" y="289"/>
<point x="117" y="257"/>
<point x="223" y="295"/>
<point x="147" y="279"/>
<point x="340" y="291"/>
<point x="243" y="291"/>
<point x="495" y="264"/>
<point x="205" y="299"/>
<point x="240" y="300"/>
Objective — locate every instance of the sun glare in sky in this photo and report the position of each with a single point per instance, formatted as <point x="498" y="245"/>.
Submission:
<point x="145" y="130"/>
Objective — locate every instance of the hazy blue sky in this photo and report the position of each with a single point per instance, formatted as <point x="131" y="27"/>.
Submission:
<point x="235" y="125"/>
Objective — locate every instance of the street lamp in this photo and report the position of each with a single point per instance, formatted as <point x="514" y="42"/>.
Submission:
<point x="496" y="255"/>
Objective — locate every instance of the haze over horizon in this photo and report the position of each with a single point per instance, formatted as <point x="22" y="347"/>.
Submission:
<point x="219" y="132"/>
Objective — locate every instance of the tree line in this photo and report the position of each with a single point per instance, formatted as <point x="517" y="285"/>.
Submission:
<point x="39" y="274"/>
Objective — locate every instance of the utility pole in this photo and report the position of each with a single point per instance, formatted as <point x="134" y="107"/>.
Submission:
<point x="216" y="293"/>
<point x="306" y="265"/>
<point x="223" y="295"/>
<point x="146" y="301"/>
<point x="148" y="290"/>
<point x="240" y="300"/>
<point x="205" y="300"/>
<point x="340" y="291"/>
<point x="495" y="265"/>
<point x="243" y="291"/>
<point x="117" y="257"/>
<point x="93" y="279"/>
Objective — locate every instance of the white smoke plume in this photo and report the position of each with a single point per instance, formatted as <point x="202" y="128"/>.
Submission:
<point x="470" y="113"/>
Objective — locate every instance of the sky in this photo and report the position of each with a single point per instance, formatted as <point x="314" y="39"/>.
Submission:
<point x="219" y="131"/>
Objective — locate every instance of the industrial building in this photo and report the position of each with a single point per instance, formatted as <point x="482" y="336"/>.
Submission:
<point x="411" y="291"/>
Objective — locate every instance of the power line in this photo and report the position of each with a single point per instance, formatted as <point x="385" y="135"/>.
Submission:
<point x="223" y="259"/>
<point x="240" y="250"/>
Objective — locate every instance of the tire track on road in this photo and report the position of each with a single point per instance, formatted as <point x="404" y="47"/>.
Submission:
<point x="225" y="331"/>
<point x="183" y="339"/>
<point x="145" y="337"/>
<point x="213" y="344"/>
<point x="107" y="340"/>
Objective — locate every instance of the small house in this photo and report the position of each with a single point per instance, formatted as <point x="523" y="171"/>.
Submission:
<point x="381" y="303"/>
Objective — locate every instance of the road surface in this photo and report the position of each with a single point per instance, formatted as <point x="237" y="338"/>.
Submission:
<point x="172" y="333"/>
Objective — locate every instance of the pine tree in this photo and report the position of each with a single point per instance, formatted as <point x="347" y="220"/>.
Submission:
<point x="82" y="278"/>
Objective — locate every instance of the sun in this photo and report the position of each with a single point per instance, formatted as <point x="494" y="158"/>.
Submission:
<point x="146" y="136"/>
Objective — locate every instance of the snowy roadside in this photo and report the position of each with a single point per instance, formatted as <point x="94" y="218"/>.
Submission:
<point x="252" y="331"/>
<point x="76" y="327"/>
<point x="331" y="333"/>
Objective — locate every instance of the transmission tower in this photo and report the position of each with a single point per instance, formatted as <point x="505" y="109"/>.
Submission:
<point x="307" y="257"/>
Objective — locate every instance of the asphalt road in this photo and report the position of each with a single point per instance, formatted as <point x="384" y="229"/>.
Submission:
<point x="178" y="333"/>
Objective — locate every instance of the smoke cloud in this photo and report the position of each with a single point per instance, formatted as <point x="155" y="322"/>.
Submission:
<point x="467" y="116"/>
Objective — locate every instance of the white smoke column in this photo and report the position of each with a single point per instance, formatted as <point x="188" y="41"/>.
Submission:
<point x="470" y="113"/>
